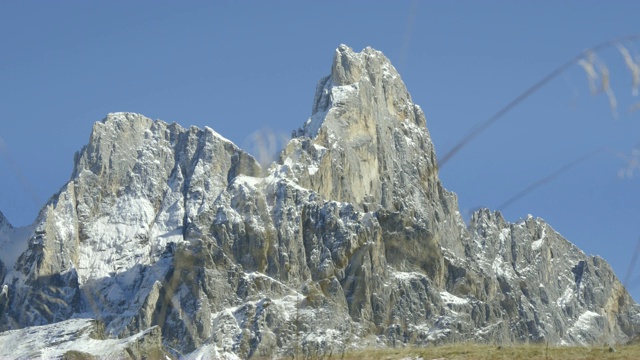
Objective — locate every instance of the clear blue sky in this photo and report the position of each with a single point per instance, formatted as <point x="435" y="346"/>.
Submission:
<point x="240" y="67"/>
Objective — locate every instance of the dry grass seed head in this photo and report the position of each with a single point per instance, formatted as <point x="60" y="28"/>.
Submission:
<point x="633" y="68"/>
<point x="605" y="86"/>
<point x="590" y="71"/>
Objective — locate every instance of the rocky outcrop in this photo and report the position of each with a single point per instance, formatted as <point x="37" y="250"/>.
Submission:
<point x="349" y="238"/>
<point x="5" y="228"/>
<point x="547" y="288"/>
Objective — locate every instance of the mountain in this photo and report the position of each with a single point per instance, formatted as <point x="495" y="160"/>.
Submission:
<point x="348" y="239"/>
<point x="13" y="242"/>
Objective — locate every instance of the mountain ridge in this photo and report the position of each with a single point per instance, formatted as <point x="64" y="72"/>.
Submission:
<point x="348" y="239"/>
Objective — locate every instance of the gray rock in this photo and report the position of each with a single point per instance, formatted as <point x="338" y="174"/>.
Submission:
<point x="5" y="226"/>
<point x="349" y="238"/>
<point x="3" y="272"/>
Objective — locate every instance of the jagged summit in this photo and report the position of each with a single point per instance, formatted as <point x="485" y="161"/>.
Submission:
<point x="366" y="77"/>
<point x="366" y="142"/>
<point x="350" y="230"/>
<point x="154" y="179"/>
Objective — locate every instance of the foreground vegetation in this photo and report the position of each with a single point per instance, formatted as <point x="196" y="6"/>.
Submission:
<point x="489" y="352"/>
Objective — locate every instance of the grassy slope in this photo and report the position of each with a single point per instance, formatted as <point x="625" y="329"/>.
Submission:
<point x="488" y="352"/>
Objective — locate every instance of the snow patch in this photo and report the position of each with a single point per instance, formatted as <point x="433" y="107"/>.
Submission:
<point x="319" y="148"/>
<point x="249" y="181"/>
<point x="535" y="246"/>
<point x="538" y="243"/>
<point x="54" y="340"/>
<point x="313" y="124"/>
<point x="452" y="299"/>
<point x="565" y="298"/>
<point x="409" y="141"/>
<point x="342" y="93"/>
<point x="403" y="275"/>
<point x="500" y="268"/>
<point x="585" y="320"/>
<point x="586" y="323"/>
<point x="215" y="134"/>
<point x="312" y="169"/>
<point x="211" y="352"/>
<point x="120" y="239"/>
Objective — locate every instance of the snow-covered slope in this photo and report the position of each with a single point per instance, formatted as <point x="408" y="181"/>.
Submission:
<point x="349" y="239"/>
<point x="79" y="338"/>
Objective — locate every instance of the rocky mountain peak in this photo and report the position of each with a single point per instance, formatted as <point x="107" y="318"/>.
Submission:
<point x="350" y="67"/>
<point x="367" y="75"/>
<point x="366" y="142"/>
<point x="178" y="230"/>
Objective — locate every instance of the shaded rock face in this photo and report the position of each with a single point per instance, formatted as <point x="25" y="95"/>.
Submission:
<point x="5" y="227"/>
<point x="348" y="238"/>
<point x="3" y="271"/>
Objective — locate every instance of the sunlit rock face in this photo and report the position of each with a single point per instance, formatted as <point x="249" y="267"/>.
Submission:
<point x="348" y="239"/>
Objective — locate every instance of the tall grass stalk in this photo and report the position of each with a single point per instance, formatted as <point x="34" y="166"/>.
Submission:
<point x="581" y="59"/>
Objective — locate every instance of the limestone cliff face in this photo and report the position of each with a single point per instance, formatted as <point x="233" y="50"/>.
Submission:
<point x="348" y="238"/>
<point x="366" y="144"/>
<point x="545" y="287"/>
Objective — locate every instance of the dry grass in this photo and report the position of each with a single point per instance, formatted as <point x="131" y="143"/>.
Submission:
<point x="489" y="352"/>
